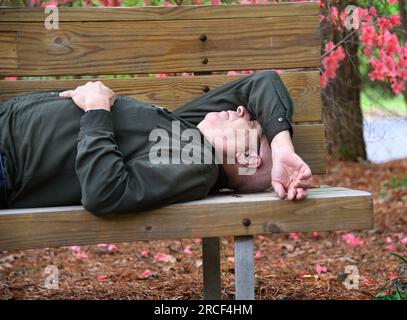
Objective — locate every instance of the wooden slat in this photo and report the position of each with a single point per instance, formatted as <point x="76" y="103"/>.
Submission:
<point x="324" y="209"/>
<point x="185" y="12"/>
<point x="172" y="92"/>
<point x="131" y="47"/>
<point x="309" y="144"/>
<point x="8" y="49"/>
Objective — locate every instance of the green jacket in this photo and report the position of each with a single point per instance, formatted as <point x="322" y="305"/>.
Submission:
<point x="55" y="154"/>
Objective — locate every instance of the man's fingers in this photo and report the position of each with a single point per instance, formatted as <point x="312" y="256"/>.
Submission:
<point x="279" y="189"/>
<point x="292" y="192"/>
<point x="66" y="94"/>
<point x="301" y="193"/>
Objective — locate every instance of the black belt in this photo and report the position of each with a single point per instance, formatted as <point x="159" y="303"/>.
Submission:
<point x="3" y="201"/>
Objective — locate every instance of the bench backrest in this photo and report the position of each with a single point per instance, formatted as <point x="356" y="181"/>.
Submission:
<point x="144" y="40"/>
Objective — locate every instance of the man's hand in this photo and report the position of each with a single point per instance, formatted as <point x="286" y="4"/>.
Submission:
<point x="290" y="175"/>
<point x="91" y="96"/>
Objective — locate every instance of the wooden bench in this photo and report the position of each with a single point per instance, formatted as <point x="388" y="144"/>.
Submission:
<point x="200" y="39"/>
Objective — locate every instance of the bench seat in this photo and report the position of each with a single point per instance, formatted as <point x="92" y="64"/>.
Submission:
<point x="326" y="208"/>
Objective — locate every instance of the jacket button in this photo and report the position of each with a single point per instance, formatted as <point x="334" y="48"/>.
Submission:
<point x="280" y="119"/>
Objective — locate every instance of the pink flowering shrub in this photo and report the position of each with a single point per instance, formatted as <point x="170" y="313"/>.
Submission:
<point x="387" y="56"/>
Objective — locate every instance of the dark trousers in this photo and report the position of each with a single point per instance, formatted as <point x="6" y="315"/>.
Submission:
<point x="2" y="184"/>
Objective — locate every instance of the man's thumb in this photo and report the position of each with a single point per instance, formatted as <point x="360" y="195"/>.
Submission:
<point x="66" y="94"/>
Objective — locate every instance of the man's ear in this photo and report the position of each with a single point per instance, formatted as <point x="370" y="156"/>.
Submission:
<point x="252" y="160"/>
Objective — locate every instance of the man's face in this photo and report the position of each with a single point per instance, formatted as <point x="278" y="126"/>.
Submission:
<point x="232" y="132"/>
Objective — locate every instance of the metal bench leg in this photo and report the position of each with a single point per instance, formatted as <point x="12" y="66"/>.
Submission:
<point x="244" y="268"/>
<point x="211" y="268"/>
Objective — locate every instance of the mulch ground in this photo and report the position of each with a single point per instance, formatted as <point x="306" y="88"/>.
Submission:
<point x="289" y="266"/>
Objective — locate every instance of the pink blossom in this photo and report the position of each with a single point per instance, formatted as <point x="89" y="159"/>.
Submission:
<point x="331" y="62"/>
<point x="81" y="255"/>
<point x="294" y="236"/>
<point x="366" y="282"/>
<point x="397" y="87"/>
<point x="145" y="253"/>
<point x="315" y="235"/>
<point x="258" y="255"/>
<point x="10" y="78"/>
<point x="168" y="4"/>
<point x="392" y="276"/>
<point x="390" y="247"/>
<point x="323" y="80"/>
<point x="102" y="277"/>
<point x="321" y="269"/>
<point x="352" y="240"/>
<point x="160" y="256"/>
<point x="329" y="46"/>
<point x="147" y="273"/>
<point x="112" y="247"/>
<point x="395" y="20"/>
<point x="334" y="15"/>
<point x="110" y="3"/>
<point x="367" y="36"/>
<point x="75" y="248"/>
<point x="49" y="4"/>
<point x="389" y="240"/>
<point x="108" y="247"/>
<point x="384" y="24"/>
<point x="187" y="250"/>
<point x="163" y="257"/>
<point x="373" y="11"/>
<point x="403" y="240"/>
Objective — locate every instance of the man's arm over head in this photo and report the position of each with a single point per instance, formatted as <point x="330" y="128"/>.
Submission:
<point x="262" y="93"/>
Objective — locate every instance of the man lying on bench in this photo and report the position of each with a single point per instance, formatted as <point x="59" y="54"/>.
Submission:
<point x="119" y="154"/>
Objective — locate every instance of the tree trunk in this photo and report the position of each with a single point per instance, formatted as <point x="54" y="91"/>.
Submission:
<point x="341" y="110"/>
<point x="403" y="20"/>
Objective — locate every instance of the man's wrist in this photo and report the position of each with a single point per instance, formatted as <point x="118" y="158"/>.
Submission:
<point x="282" y="143"/>
<point x="96" y="102"/>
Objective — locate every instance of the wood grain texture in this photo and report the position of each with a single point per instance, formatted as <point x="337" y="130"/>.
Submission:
<point x="132" y="47"/>
<point x="185" y="12"/>
<point x="172" y="92"/>
<point x="309" y="144"/>
<point x="326" y="208"/>
<point x="8" y="50"/>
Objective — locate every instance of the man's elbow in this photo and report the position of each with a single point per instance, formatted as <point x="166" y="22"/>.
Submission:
<point x="96" y="208"/>
<point x="99" y="205"/>
<point x="105" y="206"/>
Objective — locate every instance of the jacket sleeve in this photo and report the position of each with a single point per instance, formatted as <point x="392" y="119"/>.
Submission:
<point x="99" y="164"/>
<point x="111" y="186"/>
<point x="263" y="93"/>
